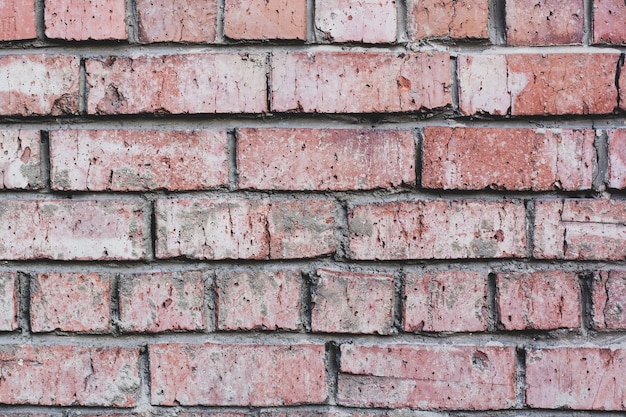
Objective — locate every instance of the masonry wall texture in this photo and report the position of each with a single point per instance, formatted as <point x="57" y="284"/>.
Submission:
<point x="312" y="208"/>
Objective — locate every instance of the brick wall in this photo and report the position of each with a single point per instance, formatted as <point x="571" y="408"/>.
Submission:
<point x="312" y="208"/>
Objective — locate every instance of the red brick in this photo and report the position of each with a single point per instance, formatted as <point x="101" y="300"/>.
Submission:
<point x="447" y="301"/>
<point x="580" y="229"/>
<point x="609" y="300"/>
<point x="427" y="377"/>
<point x="69" y="375"/>
<point x="449" y="18"/>
<point x="576" y="378"/>
<point x="189" y="21"/>
<point x="8" y="301"/>
<point x="187" y="83"/>
<point x="617" y="158"/>
<point x="73" y="229"/>
<point x="272" y="19"/>
<point x="20" y="160"/>
<point x="622" y="83"/>
<point x="350" y="302"/>
<point x="259" y="300"/>
<point x="358" y="82"/>
<point x="324" y="159"/>
<point x="161" y="301"/>
<point x="93" y="19"/>
<point x="483" y="84"/>
<point x="544" y="22"/>
<point x="17" y="20"/>
<point x="438" y="229"/>
<point x="125" y="160"/>
<point x="39" y="85"/>
<point x="510" y="159"/>
<point x="608" y="21"/>
<point x="72" y="302"/>
<point x="238" y="375"/>
<point x="542" y="300"/>
<point x="357" y="20"/>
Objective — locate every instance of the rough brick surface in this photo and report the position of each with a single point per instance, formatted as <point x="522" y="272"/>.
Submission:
<point x="512" y="159"/>
<point x="161" y="301"/>
<point x="449" y="18"/>
<point x="20" y="159"/>
<point x="577" y="378"/>
<point x="617" y="158"/>
<point x="355" y="82"/>
<point x="271" y="19"/>
<point x="8" y="301"/>
<point x="92" y="19"/>
<point x="255" y="375"/>
<point x="608" y="19"/>
<point x="437" y="229"/>
<point x="541" y="300"/>
<point x="447" y="301"/>
<point x="73" y="229"/>
<point x="124" y="160"/>
<point x="258" y="300"/>
<point x="427" y="377"/>
<point x="72" y="302"/>
<point x="188" y="83"/>
<point x="609" y="300"/>
<point x="189" y="21"/>
<point x="544" y="22"/>
<point x="483" y="84"/>
<point x="368" y="21"/>
<point x="69" y="375"/>
<point x="325" y="159"/>
<point x="622" y="82"/>
<point x="17" y="20"/>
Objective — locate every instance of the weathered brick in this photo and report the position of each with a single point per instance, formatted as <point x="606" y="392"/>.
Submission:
<point x="161" y="301"/>
<point x="544" y="22"/>
<point x="609" y="300"/>
<point x="39" y="85"/>
<point x="73" y="229"/>
<point x="125" y="160"/>
<point x="272" y="19"/>
<point x="187" y="83"/>
<point x="8" y="301"/>
<point x="189" y="21"/>
<point x="324" y="159"/>
<point x="357" y="21"/>
<point x="483" y="84"/>
<point x="427" y="377"/>
<point x="72" y="302"/>
<point x="580" y="229"/>
<point x="351" y="302"/>
<point x="93" y="19"/>
<point x="259" y="300"/>
<point x="608" y="21"/>
<point x="438" y="229"/>
<point x="17" y="20"/>
<point x="449" y="18"/>
<point x="20" y="160"/>
<point x="511" y="159"/>
<point x="357" y="82"/>
<point x="576" y="378"/>
<point x="242" y="375"/>
<point x="69" y="375"/>
<point x="622" y="82"/>
<point x="446" y="301"/>
<point x="617" y="158"/>
<point x="542" y="300"/>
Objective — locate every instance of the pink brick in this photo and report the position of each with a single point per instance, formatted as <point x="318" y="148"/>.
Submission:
<point x="189" y="21"/>
<point x="238" y="375"/>
<point x="483" y="84"/>
<point x="272" y="19"/>
<point x="187" y="83"/>
<point x="161" y="301"/>
<point x="17" y="20"/>
<point x="427" y="377"/>
<point x="544" y="22"/>
<point x="357" y="21"/>
<point x="449" y="18"/>
<point x="39" y="85"/>
<point x="73" y="229"/>
<point x="438" y="229"/>
<point x="511" y="159"/>
<point x="576" y="378"/>
<point x="357" y="82"/>
<point x="8" y="301"/>
<point x="622" y="82"/>
<point x="350" y="302"/>
<point x="259" y="300"/>
<point x="609" y="300"/>
<point x="542" y="300"/>
<point x="580" y="229"/>
<point x="617" y="158"/>
<point x="324" y="159"/>
<point x="125" y="160"/>
<point x="69" y="375"/>
<point x="608" y="21"/>
<point x="447" y="301"/>
<point x="93" y="19"/>
<point x="20" y="159"/>
<point x="71" y="302"/>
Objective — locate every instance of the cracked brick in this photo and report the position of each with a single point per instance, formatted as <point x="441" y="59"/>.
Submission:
<point x="276" y="19"/>
<point x="457" y="19"/>
<point x="609" y="300"/>
<point x="20" y="159"/>
<point x="189" y="21"/>
<point x="8" y="301"/>
<point x="544" y="22"/>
